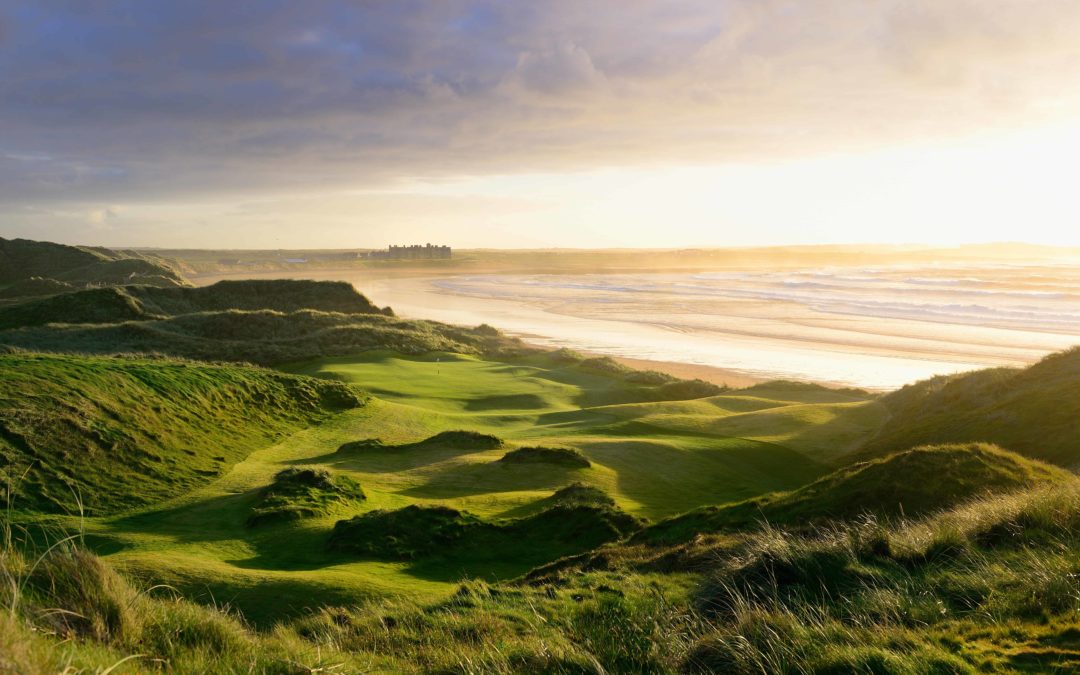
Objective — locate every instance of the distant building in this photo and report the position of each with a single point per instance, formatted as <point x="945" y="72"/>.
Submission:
<point x="414" y="252"/>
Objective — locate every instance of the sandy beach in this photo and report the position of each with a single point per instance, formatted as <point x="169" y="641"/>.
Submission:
<point x="877" y="328"/>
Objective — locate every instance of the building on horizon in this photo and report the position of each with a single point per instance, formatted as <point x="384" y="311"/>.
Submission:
<point x="413" y="252"/>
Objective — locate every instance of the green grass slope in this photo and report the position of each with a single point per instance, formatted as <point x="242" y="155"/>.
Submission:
<point x="23" y="258"/>
<point x="127" y="432"/>
<point x="100" y="305"/>
<point x="986" y="587"/>
<point x="432" y="435"/>
<point x="911" y="483"/>
<point x="264" y="337"/>
<point x="1033" y="411"/>
<point x="80" y="266"/>
<point x="281" y="295"/>
<point x="118" y="304"/>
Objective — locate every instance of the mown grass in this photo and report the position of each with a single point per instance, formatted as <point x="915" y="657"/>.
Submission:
<point x="432" y="434"/>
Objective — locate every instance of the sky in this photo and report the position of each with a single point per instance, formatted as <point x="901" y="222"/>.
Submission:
<point x="617" y="123"/>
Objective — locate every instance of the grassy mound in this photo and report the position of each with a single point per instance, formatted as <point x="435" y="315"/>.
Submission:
<point x="947" y="594"/>
<point x="405" y="534"/>
<point x="987" y="587"/>
<point x="101" y="305"/>
<point x="142" y="271"/>
<point x="642" y="385"/>
<point x="911" y="483"/>
<point x="123" y="432"/>
<point x="80" y="266"/>
<point x="361" y="445"/>
<point x="579" y="493"/>
<point x="281" y="295"/>
<point x="453" y="440"/>
<point x="264" y="337"/>
<point x="132" y="303"/>
<point x="416" y="532"/>
<point x="463" y="440"/>
<point x="541" y="455"/>
<point x="23" y="258"/>
<point x="302" y="492"/>
<point x="1035" y="411"/>
<point x="35" y="287"/>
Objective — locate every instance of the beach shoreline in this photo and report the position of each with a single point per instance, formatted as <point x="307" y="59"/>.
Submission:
<point x="700" y="326"/>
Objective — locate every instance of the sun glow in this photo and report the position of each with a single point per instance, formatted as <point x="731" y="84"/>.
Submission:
<point x="1002" y="188"/>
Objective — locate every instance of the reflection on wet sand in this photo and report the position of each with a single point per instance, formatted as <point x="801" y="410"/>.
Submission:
<point x="877" y="327"/>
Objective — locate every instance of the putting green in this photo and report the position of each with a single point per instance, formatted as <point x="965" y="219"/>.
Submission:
<point x="655" y="459"/>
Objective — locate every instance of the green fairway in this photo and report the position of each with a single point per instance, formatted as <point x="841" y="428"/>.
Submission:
<point x="654" y="459"/>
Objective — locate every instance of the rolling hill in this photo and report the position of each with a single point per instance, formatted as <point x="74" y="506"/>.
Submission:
<point x="1034" y="411"/>
<point x="118" y="304"/>
<point x="912" y="484"/>
<point x="23" y="260"/>
<point x="410" y="496"/>
<point x="113" y="434"/>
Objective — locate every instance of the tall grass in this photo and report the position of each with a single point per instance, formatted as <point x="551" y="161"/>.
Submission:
<point x="939" y="595"/>
<point x="900" y="596"/>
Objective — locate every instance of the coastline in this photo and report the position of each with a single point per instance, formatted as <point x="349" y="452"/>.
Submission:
<point x="735" y="342"/>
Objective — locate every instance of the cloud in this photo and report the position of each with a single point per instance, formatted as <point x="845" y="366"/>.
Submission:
<point x="159" y="101"/>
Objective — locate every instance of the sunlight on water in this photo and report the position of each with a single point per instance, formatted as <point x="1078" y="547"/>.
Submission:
<point x="877" y="327"/>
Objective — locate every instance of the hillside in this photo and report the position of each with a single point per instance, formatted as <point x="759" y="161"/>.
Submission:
<point x="989" y="586"/>
<point x="22" y="260"/>
<point x="120" y="433"/>
<point x="434" y="432"/>
<point x="1033" y="411"/>
<point x="264" y="337"/>
<point x="412" y="496"/>
<point x="908" y="484"/>
<point x="126" y="303"/>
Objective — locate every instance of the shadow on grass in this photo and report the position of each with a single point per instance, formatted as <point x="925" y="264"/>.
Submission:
<point x="465" y="480"/>
<point x="507" y="402"/>
<point x="371" y="456"/>
<point x="678" y="473"/>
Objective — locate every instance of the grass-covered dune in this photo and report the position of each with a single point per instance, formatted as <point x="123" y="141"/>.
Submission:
<point x="1034" y="411"/>
<point x="568" y="457"/>
<point x="989" y="586"/>
<point x="99" y="305"/>
<point x="114" y="433"/>
<point x="81" y="266"/>
<point x="911" y="483"/>
<point x="303" y="492"/>
<point x="34" y="287"/>
<point x="264" y="337"/>
<point x="117" y="304"/>
<point x="566" y="527"/>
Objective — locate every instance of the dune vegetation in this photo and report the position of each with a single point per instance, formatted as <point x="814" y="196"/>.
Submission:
<point x="390" y="495"/>
<point x="30" y="267"/>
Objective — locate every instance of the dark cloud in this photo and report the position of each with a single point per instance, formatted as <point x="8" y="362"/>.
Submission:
<point x="162" y="100"/>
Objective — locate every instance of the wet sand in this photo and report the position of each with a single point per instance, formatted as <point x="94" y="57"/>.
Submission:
<point x="872" y="328"/>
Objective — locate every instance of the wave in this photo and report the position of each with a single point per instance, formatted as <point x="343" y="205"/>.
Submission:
<point x="994" y="296"/>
